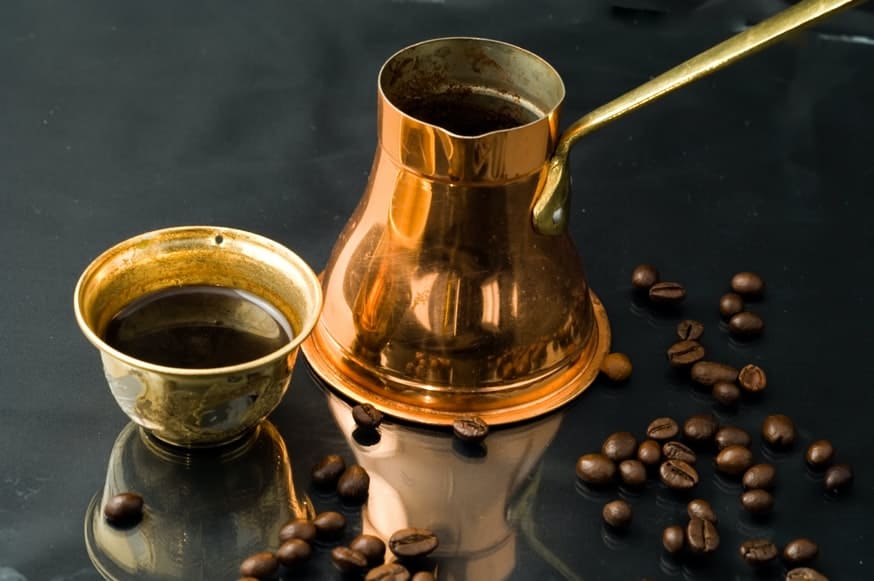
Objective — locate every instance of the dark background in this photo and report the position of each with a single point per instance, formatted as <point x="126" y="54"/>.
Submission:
<point x="118" y="118"/>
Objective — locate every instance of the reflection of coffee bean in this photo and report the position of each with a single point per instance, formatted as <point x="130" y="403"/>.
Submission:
<point x="674" y="450"/>
<point x="710" y="372"/>
<point x="752" y="378"/>
<point x="366" y="416"/>
<point x="746" y="324"/>
<point x="297" y="529"/>
<point x="617" y="514"/>
<point x="124" y="510"/>
<point x="732" y="436"/>
<point x="619" y="446"/>
<point x="412" y="542"/>
<point x="293" y="552"/>
<point x="595" y="469"/>
<point x="748" y="284"/>
<point x="700" y="508"/>
<point x="757" y="501"/>
<point x="388" y="572"/>
<point x="730" y="304"/>
<point x="778" y="430"/>
<point x="259" y="565"/>
<point x="667" y="293"/>
<point x="760" y="476"/>
<point x="800" y="551"/>
<point x="470" y="429"/>
<point x="819" y="454"/>
<point x="329" y="524"/>
<point x="662" y="429"/>
<point x="348" y="560"/>
<point x="758" y="551"/>
<point x="701" y="536"/>
<point x="805" y="574"/>
<point x="685" y="353"/>
<point x="649" y="452"/>
<point x="678" y="475"/>
<point x="690" y="330"/>
<point x="328" y="470"/>
<point x="354" y="484"/>
<point x="644" y="276"/>
<point x="673" y="539"/>
<point x="371" y="547"/>
<point x="734" y="460"/>
<point x="725" y="392"/>
<point x="838" y="477"/>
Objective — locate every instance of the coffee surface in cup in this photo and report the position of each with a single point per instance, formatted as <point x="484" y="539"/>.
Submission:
<point x="468" y="113"/>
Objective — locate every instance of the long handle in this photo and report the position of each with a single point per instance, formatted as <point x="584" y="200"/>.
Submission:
<point x="550" y="210"/>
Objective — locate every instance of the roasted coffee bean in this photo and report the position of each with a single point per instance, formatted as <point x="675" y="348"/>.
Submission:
<point x="293" y="552"/>
<point x="674" y="450"/>
<point x="470" y="429"/>
<point x="678" y="475"/>
<point x="328" y="470"/>
<point x="649" y="452"/>
<point x="752" y="378"/>
<point x="748" y="284"/>
<point x="701" y="536"/>
<point x="644" y="276"/>
<point x="700" y="508"/>
<point x="710" y="372"/>
<point x="838" y="477"/>
<point x="371" y="547"/>
<point x="757" y="501"/>
<point x="595" y="469"/>
<point x="700" y="429"/>
<point x="423" y="576"/>
<point x="329" y="524"/>
<point x="667" y="293"/>
<point x="297" y="529"/>
<point x="632" y="472"/>
<point x="662" y="429"/>
<point x="746" y="324"/>
<point x="805" y="574"/>
<point x="366" y="416"/>
<point x="819" y="454"/>
<point x="673" y="538"/>
<point x="616" y="366"/>
<point x="690" y="330"/>
<point x="778" y="430"/>
<point x="348" y="560"/>
<point x="734" y="460"/>
<point x="259" y="565"/>
<point x="800" y="551"/>
<point x="388" y="572"/>
<point x="617" y="514"/>
<point x="726" y="393"/>
<point x="760" y="476"/>
<point x="412" y="543"/>
<point x="730" y="304"/>
<point x="684" y="353"/>
<point x="758" y="551"/>
<point x="124" y="510"/>
<point x="732" y="436"/>
<point x="619" y="446"/>
<point x="353" y="486"/>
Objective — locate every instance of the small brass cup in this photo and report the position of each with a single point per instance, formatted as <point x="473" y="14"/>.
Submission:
<point x="197" y="407"/>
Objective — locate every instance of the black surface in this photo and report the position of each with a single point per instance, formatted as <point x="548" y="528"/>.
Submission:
<point x="118" y="118"/>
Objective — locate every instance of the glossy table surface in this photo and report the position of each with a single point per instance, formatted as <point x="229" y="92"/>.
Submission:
<point x="119" y="118"/>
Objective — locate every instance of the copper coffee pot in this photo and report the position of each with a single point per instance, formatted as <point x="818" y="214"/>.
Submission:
<point x="455" y="288"/>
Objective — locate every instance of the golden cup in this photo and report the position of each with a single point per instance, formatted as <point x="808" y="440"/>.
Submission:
<point x="194" y="406"/>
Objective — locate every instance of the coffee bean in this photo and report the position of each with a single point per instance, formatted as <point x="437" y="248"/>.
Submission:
<point x="619" y="446"/>
<point x="328" y="470"/>
<point x="819" y="454"/>
<point x="678" y="475"/>
<point x="700" y="508"/>
<point x="800" y="551"/>
<point x="731" y="436"/>
<point x="353" y="486"/>
<point x="684" y="353"/>
<point x="667" y="293"/>
<point x="748" y="284"/>
<point x="701" y="536"/>
<point x="412" y="543"/>
<point x="758" y="551"/>
<point x="752" y="378"/>
<point x="690" y="330"/>
<point x="726" y="393"/>
<point x="730" y="304"/>
<point x="746" y="324"/>
<point x="297" y="529"/>
<point x="348" y="560"/>
<point x="700" y="429"/>
<point x="293" y="552"/>
<point x="734" y="460"/>
<point x="757" y="501"/>
<point x="616" y="366"/>
<point x="423" y="576"/>
<point x="760" y="476"/>
<point x="838" y="477"/>
<point x="778" y="431"/>
<point x="371" y="547"/>
<point x="662" y="429"/>
<point x="124" y="510"/>
<point x="366" y="416"/>
<point x="710" y="372"/>
<point x="672" y="539"/>
<point x="595" y="469"/>
<point x="805" y="574"/>
<point x="617" y="514"/>
<point x="388" y="572"/>
<point x="649" y="452"/>
<point x="259" y="565"/>
<point x="632" y="472"/>
<point x="644" y="276"/>
<point x="674" y="450"/>
<point x="329" y="524"/>
<point x="470" y="429"/>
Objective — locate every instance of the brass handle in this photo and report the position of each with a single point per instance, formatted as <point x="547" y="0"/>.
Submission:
<point x="550" y="209"/>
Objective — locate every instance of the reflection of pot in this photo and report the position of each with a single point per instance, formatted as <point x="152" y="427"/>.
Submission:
<point x="205" y="511"/>
<point x="421" y="478"/>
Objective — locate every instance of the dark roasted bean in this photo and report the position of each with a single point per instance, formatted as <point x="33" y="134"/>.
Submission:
<point x="371" y="547"/>
<point x="758" y="551"/>
<point x="674" y="450"/>
<point x="778" y="430"/>
<point x="617" y="514"/>
<point x="124" y="510"/>
<point x="353" y="486"/>
<point x="644" y="276"/>
<point x="819" y="454"/>
<point x="752" y="378"/>
<point x="619" y="446"/>
<point x="388" y="572"/>
<point x="805" y="574"/>
<point x="259" y="565"/>
<point x="760" y="476"/>
<point x="348" y="560"/>
<point x="700" y="429"/>
<point x="595" y="469"/>
<point x="732" y="436"/>
<point x="328" y="470"/>
<point x="800" y="551"/>
<point x="838" y="477"/>
<point x="746" y="324"/>
<point x="730" y="304"/>
<point x="747" y="284"/>
<point x="649" y="452"/>
<point x="757" y="501"/>
<point x="734" y="460"/>
<point x="700" y="508"/>
<point x="412" y="543"/>
<point x="685" y="353"/>
<point x="329" y="524"/>
<point x="672" y="539"/>
<point x="662" y="429"/>
<point x="616" y="366"/>
<point x="293" y="552"/>
<point x="470" y="429"/>
<point x="632" y="472"/>
<point x="726" y="393"/>
<point x="701" y="536"/>
<point x="710" y="372"/>
<point x="366" y="416"/>
<point x="678" y="475"/>
<point x="667" y="293"/>
<point x="297" y="529"/>
<point x="689" y="330"/>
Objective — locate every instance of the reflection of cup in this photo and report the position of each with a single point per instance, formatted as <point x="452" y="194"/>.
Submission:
<point x="204" y="511"/>
<point x="420" y="478"/>
<point x="186" y="406"/>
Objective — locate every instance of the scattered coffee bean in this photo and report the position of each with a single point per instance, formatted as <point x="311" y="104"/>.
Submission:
<point x="778" y="430"/>
<point x="366" y="416"/>
<point x="674" y="450"/>
<point x="700" y="429"/>
<point x="667" y="293"/>
<point x="617" y="514"/>
<point x="259" y="565"/>
<point x="619" y="446"/>
<point x="701" y="536"/>
<point x="662" y="429"/>
<point x="124" y="510"/>
<point x="685" y="353"/>
<point x="690" y="330"/>
<point x="752" y="378"/>
<point x="758" y="551"/>
<point x="470" y="429"/>
<point x="710" y="372"/>
<point x="616" y="366"/>
<point x="730" y="304"/>
<point x="293" y="552"/>
<point x="726" y="393"/>
<point x="732" y="436"/>
<point x="423" y="576"/>
<point x="388" y="572"/>
<point x="348" y="560"/>
<point x="632" y="473"/>
<point x="649" y="452"/>
<point x="678" y="475"/>
<point x="644" y="276"/>
<point x="746" y="324"/>
<point x="760" y="476"/>
<point x="748" y="284"/>
<point x="805" y="574"/>
<point x="371" y="547"/>
<point x="673" y="538"/>
<point x="757" y="501"/>
<point x="297" y="529"/>
<point x="329" y="524"/>
<point x="700" y="508"/>
<point x="595" y="469"/>
<point x="800" y="551"/>
<point x="838" y="477"/>
<point x="819" y="454"/>
<point x="412" y="543"/>
<point x="353" y="486"/>
<point x="734" y="460"/>
<point x="328" y="470"/>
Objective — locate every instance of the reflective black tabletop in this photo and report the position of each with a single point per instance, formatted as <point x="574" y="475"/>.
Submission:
<point x="119" y="118"/>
